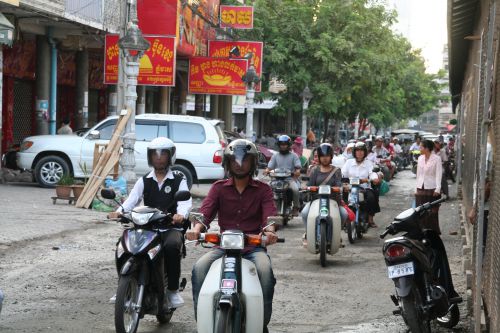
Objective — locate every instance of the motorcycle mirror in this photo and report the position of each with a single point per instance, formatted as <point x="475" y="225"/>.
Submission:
<point x="278" y="220"/>
<point x="108" y="193"/>
<point x="182" y="196"/>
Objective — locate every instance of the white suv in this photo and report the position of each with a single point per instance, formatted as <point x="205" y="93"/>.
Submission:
<point x="199" y="145"/>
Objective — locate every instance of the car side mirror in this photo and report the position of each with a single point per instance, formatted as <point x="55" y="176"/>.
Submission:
<point x="94" y="135"/>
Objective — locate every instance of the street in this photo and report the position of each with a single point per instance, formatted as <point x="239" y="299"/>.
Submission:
<point x="57" y="271"/>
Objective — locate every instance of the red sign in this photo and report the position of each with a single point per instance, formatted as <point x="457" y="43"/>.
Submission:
<point x="220" y="49"/>
<point x="217" y="76"/>
<point x="157" y="66"/>
<point x="157" y="17"/>
<point x="236" y="17"/>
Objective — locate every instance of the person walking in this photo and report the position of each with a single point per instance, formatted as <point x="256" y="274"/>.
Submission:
<point x="428" y="188"/>
<point x="65" y="129"/>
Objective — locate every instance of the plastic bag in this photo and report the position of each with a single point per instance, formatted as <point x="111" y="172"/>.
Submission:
<point x="384" y="188"/>
<point x="119" y="185"/>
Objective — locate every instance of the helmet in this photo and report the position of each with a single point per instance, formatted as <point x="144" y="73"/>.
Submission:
<point x="159" y="145"/>
<point x="325" y="149"/>
<point x="350" y="145"/>
<point x="379" y="138"/>
<point x="359" y="146"/>
<point x="362" y="138"/>
<point x="238" y="150"/>
<point x="284" y="139"/>
<point x="298" y="140"/>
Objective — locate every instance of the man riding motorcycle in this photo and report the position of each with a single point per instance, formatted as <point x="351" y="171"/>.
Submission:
<point x="383" y="155"/>
<point x="287" y="159"/>
<point x="242" y="203"/>
<point x="158" y="189"/>
<point x="360" y="167"/>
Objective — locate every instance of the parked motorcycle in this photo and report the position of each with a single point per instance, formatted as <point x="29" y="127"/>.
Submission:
<point x="356" y="200"/>
<point x="283" y="196"/>
<point x="415" y="154"/>
<point x="140" y="265"/>
<point x="418" y="272"/>
<point x="231" y="288"/>
<point x="323" y="222"/>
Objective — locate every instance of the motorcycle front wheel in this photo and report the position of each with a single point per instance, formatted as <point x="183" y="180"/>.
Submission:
<point x="351" y="231"/>
<point x="322" y="245"/>
<point x="451" y="319"/>
<point x="127" y="297"/>
<point x="223" y="320"/>
<point x="412" y="313"/>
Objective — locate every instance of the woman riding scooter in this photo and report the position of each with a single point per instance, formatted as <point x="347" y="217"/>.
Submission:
<point x="324" y="174"/>
<point x="362" y="168"/>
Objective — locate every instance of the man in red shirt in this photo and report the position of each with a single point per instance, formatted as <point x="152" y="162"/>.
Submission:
<point x="244" y="204"/>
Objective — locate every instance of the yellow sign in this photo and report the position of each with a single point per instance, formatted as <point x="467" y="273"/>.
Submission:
<point x="11" y="2"/>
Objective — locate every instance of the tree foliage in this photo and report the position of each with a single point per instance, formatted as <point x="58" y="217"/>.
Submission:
<point x="347" y="53"/>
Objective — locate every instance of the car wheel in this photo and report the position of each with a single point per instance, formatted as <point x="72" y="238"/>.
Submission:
<point x="50" y="169"/>
<point x="186" y="172"/>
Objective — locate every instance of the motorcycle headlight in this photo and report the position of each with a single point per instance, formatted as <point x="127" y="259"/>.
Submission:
<point x="141" y="219"/>
<point x="232" y="241"/>
<point x="278" y="185"/>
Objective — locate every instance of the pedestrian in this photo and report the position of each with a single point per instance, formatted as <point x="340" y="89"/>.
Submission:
<point x="429" y="175"/>
<point x="65" y="129"/>
<point x="310" y="138"/>
<point x="298" y="146"/>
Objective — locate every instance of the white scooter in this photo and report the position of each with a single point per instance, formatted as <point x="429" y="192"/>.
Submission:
<point x="232" y="287"/>
<point x="323" y="223"/>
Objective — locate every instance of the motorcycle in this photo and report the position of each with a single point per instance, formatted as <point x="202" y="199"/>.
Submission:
<point x="416" y="268"/>
<point x="283" y="196"/>
<point x="415" y="154"/>
<point x="140" y="265"/>
<point x="323" y="222"/>
<point x="385" y="167"/>
<point x="231" y="288"/>
<point x="355" y="200"/>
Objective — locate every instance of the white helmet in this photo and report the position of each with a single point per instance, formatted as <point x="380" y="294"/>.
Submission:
<point x="350" y="145"/>
<point x="162" y="144"/>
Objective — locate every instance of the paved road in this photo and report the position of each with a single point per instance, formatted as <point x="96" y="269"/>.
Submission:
<point x="57" y="271"/>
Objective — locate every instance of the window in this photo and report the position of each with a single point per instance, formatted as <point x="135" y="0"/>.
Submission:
<point x="106" y="129"/>
<point x="146" y="131"/>
<point x="187" y="132"/>
<point x="163" y="130"/>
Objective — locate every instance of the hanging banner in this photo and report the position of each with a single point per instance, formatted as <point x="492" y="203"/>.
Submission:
<point x="157" y="17"/>
<point x="220" y="49"/>
<point x="236" y="17"/>
<point x="157" y="66"/>
<point x="217" y="76"/>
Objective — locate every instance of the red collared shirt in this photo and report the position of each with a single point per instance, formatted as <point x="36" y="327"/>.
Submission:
<point x="247" y="212"/>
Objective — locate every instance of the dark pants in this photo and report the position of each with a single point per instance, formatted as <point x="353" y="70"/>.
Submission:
<point x="371" y="201"/>
<point x="441" y="263"/>
<point x="173" y="242"/>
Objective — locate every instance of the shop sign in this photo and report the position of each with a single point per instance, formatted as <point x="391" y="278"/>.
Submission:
<point x="157" y="66"/>
<point x="220" y="49"/>
<point x="236" y="17"/>
<point x="217" y="76"/>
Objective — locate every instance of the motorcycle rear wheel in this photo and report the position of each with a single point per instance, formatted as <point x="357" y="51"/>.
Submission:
<point x="126" y="317"/>
<point x="451" y="319"/>
<point x="322" y="245"/>
<point x="411" y="309"/>
<point x="224" y="323"/>
<point x="351" y="231"/>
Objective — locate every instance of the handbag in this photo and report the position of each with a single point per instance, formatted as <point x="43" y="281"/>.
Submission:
<point x="384" y="188"/>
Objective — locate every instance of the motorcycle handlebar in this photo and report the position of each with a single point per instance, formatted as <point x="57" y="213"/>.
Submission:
<point x="382" y="235"/>
<point x="280" y="240"/>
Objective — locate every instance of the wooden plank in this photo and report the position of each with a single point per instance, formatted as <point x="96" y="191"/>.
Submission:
<point x="103" y="166"/>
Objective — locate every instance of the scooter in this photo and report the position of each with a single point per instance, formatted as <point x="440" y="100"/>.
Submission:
<point x="231" y="288"/>
<point x="282" y="193"/>
<point x="140" y="265"/>
<point x="418" y="272"/>
<point x="323" y="222"/>
<point x="356" y="201"/>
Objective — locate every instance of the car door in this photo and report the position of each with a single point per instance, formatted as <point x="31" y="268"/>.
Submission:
<point x="105" y="129"/>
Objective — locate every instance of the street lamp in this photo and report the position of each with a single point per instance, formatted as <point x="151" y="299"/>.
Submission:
<point x="250" y="78"/>
<point x="306" y="98"/>
<point x="133" y="46"/>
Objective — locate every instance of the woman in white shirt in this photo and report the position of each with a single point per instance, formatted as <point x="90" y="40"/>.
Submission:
<point x="362" y="168"/>
<point x="429" y="174"/>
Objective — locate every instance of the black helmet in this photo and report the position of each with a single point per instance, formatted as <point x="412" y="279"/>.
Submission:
<point x="238" y="150"/>
<point x="325" y="149"/>
<point x="284" y="139"/>
<point x="359" y="146"/>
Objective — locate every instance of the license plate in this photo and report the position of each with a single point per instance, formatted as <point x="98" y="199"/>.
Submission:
<point x="401" y="270"/>
<point x="354" y="181"/>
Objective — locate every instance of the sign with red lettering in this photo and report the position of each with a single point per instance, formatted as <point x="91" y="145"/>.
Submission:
<point x="156" y="67"/>
<point x="217" y="76"/>
<point x="220" y="49"/>
<point x="236" y="17"/>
